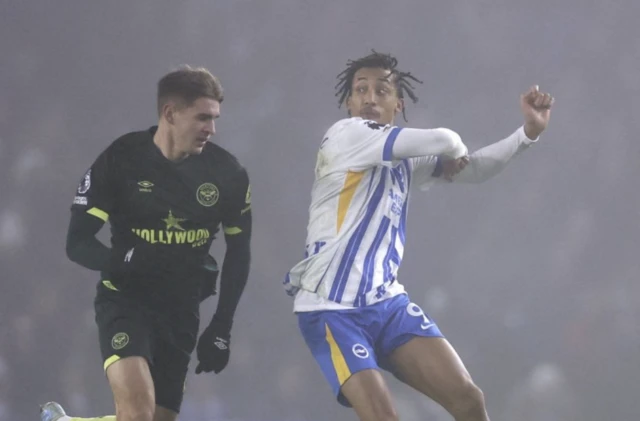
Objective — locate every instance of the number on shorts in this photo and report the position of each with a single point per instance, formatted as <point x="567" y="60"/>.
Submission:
<point x="414" y="310"/>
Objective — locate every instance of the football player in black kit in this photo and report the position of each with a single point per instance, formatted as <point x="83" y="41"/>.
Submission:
<point x="166" y="192"/>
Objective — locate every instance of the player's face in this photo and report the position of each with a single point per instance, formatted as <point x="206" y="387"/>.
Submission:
<point x="194" y="125"/>
<point x="374" y="96"/>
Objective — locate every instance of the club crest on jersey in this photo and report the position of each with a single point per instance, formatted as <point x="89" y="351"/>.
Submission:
<point x="360" y="351"/>
<point x="85" y="184"/>
<point x="119" y="340"/>
<point x="207" y="194"/>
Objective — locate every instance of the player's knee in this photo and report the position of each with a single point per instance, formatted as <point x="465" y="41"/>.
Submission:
<point x="384" y="413"/>
<point x="468" y="399"/>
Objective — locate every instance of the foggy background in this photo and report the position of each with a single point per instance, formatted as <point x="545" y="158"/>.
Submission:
<point x="533" y="276"/>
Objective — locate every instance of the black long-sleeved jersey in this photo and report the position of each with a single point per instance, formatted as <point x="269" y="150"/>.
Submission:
<point x="175" y="208"/>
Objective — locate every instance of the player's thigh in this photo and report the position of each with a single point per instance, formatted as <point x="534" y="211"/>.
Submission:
<point x="132" y="386"/>
<point x="368" y="394"/>
<point x="403" y="320"/>
<point x="125" y="343"/>
<point x="173" y="347"/>
<point x="413" y="348"/>
<point x="433" y="367"/>
<point x="340" y="346"/>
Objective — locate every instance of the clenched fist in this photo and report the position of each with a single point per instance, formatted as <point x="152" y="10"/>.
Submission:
<point x="536" y="108"/>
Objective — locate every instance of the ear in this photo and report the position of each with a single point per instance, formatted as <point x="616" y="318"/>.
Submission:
<point x="400" y="105"/>
<point x="168" y="111"/>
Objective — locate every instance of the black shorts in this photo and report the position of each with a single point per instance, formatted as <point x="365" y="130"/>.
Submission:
<point x="164" y="337"/>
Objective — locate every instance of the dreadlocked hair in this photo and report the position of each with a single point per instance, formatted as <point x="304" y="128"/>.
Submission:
<point x="402" y="80"/>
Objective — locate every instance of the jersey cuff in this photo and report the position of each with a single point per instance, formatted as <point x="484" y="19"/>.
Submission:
<point x="99" y="213"/>
<point x="523" y="136"/>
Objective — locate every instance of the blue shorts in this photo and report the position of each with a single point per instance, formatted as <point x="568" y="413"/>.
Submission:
<point x="344" y="342"/>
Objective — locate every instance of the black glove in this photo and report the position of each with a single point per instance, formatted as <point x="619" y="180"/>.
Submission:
<point x="214" y="347"/>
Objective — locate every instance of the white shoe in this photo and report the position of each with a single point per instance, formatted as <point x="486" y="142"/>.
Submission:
<point x="51" y="411"/>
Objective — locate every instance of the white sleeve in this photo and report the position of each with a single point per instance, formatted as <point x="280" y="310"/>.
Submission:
<point x="491" y="160"/>
<point x="355" y="144"/>
<point x="412" y="143"/>
<point x="483" y="163"/>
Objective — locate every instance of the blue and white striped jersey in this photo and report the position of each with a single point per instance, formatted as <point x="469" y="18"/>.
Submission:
<point x="357" y="218"/>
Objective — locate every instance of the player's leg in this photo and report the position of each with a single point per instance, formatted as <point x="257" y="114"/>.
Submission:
<point x="129" y="379"/>
<point x="52" y="411"/>
<point x="342" y="348"/>
<point x="125" y="334"/>
<point x="132" y="387"/>
<point x="164" y="414"/>
<point x="133" y="392"/>
<point x="433" y="367"/>
<point x="173" y="347"/>
<point x="415" y="351"/>
<point x="368" y="394"/>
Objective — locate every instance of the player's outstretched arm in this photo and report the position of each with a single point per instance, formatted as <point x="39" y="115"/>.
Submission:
<point x="485" y="163"/>
<point x="491" y="160"/>
<point x="412" y="143"/>
<point x="354" y="144"/>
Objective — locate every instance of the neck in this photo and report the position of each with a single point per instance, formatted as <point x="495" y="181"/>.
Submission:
<point x="167" y="144"/>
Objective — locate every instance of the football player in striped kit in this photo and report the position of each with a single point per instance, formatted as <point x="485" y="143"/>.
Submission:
<point x="354" y="315"/>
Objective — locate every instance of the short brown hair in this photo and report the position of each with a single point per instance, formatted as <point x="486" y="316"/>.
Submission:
<point x="186" y="85"/>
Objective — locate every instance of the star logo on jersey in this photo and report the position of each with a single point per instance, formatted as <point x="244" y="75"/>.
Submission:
<point x="173" y="222"/>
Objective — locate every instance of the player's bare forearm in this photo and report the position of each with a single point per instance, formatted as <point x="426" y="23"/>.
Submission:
<point x="235" y="272"/>
<point x="82" y="245"/>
